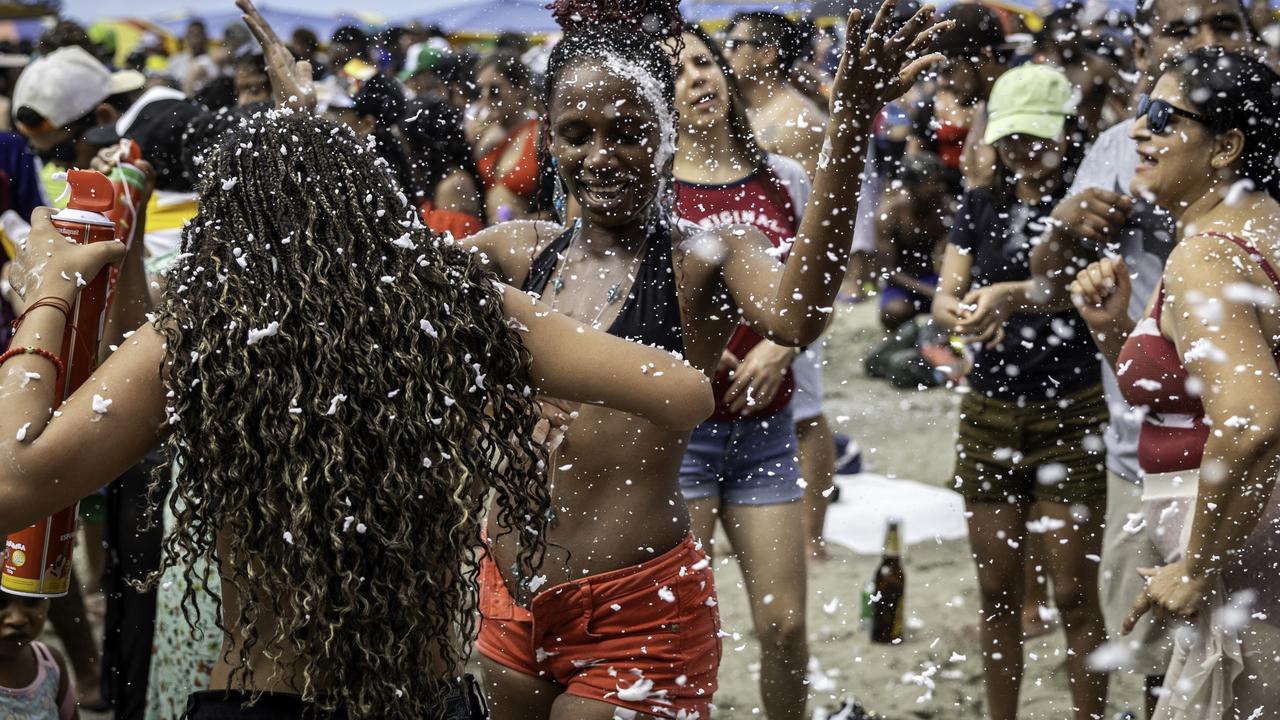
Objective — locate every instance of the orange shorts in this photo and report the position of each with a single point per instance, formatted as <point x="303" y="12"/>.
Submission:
<point x="646" y="637"/>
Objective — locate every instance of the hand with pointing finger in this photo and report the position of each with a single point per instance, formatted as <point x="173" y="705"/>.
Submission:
<point x="1170" y="589"/>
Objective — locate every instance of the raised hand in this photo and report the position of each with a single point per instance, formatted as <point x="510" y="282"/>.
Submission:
<point x="49" y="264"/>
<point x="884" y="67"/>
<point x="1094" y="214"/>
<point x="1101" y="293"/>
<point x="291" y="80"/>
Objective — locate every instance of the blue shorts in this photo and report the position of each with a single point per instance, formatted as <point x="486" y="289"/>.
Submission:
<point x="806" y="401"/>
<point x="921" y="303"/>
<point x="744" y="462"/>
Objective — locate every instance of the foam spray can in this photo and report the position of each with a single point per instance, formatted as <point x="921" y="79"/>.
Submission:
<point x="37" y="560"/>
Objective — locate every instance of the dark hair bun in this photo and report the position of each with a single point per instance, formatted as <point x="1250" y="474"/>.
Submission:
<point x="654" y="17"/>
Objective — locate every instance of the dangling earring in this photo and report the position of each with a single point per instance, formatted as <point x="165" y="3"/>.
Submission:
<point x="559" y="196"/>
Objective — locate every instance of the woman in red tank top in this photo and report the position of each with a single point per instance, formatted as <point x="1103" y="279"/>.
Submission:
<point x="1204" y="367"/>
<point x="741" y="464"/>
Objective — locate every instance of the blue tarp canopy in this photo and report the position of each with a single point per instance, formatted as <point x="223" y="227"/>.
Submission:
<point x="524" y="16"/>
<point x="702" y="10"/>
<point x="531" y="16"/>
<point x="284" y="21"/>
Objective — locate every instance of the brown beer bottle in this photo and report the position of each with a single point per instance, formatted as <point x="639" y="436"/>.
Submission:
<point x="888" y="601"/>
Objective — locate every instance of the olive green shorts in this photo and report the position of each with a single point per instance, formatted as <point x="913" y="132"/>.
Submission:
<point x="1050" y="450"/>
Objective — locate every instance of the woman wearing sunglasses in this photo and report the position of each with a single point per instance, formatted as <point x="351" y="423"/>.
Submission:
<point x="1203" y="364"/>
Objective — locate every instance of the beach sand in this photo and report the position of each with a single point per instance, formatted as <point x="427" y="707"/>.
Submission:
<point x="936" y="672"/>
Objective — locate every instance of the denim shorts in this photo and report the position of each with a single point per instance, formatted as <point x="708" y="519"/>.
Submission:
<point x="806" y="401"/>
<point x="743" y="462"/>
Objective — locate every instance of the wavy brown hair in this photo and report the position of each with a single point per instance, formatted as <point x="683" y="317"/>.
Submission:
<point x="345" y="389"/>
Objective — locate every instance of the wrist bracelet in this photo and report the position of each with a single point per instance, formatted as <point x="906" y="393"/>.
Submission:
<point x="57" y="361"/>
<point x="56" y="303"/>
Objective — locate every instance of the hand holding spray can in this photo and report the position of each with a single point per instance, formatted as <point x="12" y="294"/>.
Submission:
<point x="37" y="560"/>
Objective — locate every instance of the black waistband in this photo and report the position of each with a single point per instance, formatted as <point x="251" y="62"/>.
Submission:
<point x="464" y="702"/>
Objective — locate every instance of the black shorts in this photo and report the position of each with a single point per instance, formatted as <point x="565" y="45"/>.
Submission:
<point x="466" y="702"/>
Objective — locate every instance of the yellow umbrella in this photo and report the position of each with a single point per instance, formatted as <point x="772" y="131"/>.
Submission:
<point x="124" y="35"/>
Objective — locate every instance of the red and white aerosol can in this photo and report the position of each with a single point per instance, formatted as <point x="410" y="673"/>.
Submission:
<point x="37" y="560"/>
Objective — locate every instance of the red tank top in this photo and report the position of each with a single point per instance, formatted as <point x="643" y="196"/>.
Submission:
<point x="759" y="201"/>
<point x="1152" y="377"/>
<point x="522" y="179"/>
<point x="951" y="140"/>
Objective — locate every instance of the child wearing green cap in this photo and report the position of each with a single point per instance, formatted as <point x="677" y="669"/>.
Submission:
<point x="1030" y="444"/>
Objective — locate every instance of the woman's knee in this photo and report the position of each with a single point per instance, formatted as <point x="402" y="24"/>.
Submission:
<point x="782" y="629"/>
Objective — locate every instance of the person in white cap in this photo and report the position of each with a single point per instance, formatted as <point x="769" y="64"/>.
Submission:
<point x="60" y="96"/>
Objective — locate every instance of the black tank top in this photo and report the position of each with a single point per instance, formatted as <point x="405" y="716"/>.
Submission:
<point x="651" y="313"/>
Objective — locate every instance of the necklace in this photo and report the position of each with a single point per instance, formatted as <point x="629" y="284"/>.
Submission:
<point x="615" y="290"/>
<point x="614" y="294"/>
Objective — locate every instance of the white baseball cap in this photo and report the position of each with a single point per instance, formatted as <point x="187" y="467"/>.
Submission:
<point x="68" y="84"/>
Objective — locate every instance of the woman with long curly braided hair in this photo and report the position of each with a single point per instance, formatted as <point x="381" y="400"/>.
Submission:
<point x="625" y="622"/>
<point x="344" y="391"/>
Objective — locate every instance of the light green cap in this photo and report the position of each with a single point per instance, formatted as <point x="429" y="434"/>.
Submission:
<point x="1029" y="100"/>
<point x="420" y="58"/>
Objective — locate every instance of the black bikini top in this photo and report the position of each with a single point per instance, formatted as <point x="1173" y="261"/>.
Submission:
<point x="651" y="313"/>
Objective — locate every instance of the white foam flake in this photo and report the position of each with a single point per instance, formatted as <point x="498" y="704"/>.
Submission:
<point x="1243" y="293"/>
<point x="641" y="690"/>
<point x="22" y="432"/>
<point x="101" y="404"/>
<point x="1109" y="657"/>
<point x="257" y="334"/>
<point x="1203" y="349"/>
<point x="405" y="241"/>
<point x="334" y="403"/>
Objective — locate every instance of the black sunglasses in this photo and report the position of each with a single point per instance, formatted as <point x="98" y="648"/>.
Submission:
<point x="1158" y="113"/>
<point x="732" y="44"/>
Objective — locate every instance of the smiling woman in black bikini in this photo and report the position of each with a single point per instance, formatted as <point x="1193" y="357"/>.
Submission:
<point x="624" y="615"/>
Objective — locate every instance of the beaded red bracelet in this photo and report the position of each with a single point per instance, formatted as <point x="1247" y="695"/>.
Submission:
<point x="57" y="361"/>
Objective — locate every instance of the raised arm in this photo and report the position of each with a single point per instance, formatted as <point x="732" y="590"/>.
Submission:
<point x="292" y="83"/>
<point x="795" y="308"/>
<point x="1088" y="217"/>
<point x="575" y="363"/>
<point x="49" y="460"/>
<point x="1217" y="299"/>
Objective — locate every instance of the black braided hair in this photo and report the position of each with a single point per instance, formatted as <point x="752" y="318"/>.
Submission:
<point x="344" y="393"/>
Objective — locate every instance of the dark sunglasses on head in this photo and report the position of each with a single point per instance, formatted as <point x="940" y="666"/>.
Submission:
<point x="732" y="44"/>
<point x="1158" y="113"/>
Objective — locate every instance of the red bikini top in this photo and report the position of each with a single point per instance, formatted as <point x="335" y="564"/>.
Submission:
<point x="1151" y="376"/>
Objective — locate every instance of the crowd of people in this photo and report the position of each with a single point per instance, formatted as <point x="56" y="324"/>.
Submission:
<point x="420" y="347"/>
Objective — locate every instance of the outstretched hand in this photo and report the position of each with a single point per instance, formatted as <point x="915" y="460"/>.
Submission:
<point x="884" y="67"/>
<point x="291" y="80"/>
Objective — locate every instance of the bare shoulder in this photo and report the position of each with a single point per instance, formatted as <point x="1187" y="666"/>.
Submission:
<point x="712" y="247"/>
<point x="513" y="244"/>
<point x="1207" y="263"/>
